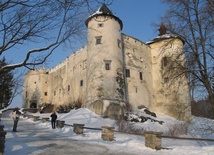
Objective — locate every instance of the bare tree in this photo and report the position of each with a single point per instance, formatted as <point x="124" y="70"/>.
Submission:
<point x="193" y="21"/>
<point x="46" y="24"/>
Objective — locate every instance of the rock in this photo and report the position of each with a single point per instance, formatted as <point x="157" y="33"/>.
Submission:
<point x="150" y="113"/>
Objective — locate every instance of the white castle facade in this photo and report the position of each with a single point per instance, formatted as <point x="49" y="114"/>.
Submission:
<point x="112" y="73"/>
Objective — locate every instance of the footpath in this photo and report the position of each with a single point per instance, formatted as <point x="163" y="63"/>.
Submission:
<point x="31" y="139"/>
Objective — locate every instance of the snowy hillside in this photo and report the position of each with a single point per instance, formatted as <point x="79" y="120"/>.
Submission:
<point x="133" y="144"/>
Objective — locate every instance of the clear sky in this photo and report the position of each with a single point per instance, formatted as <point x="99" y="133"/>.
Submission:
<point x="136" y="15"/>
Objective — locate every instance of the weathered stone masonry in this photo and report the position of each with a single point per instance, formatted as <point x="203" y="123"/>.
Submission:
<point x="113" y="70"/>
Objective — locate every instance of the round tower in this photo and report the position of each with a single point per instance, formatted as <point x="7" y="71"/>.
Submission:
<point x="170" y="85"/>
<point x="104" y="61"/>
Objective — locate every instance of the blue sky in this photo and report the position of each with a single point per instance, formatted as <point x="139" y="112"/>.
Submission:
<point x="136" y="15"/>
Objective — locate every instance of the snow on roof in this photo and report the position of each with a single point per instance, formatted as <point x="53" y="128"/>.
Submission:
<point x="104" y="10"/>
<point x="162" y="37"/>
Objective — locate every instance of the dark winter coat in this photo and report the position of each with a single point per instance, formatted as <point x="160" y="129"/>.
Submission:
<point x="53" y="117"/>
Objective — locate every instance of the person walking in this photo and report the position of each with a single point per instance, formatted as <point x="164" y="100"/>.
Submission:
<point x="16" y="114"/>
<point x="53" y="120"/>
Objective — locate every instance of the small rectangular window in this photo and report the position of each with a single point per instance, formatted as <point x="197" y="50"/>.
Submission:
<point x="166" y="80"/>
<point x="119" y="43"/>
<point x="98" y="40"/>
<point x="141" y="75"/>
<point x="45" y="93"/>
<point x="107" y="66"/>
<point x="100" y="25"/>
<point x="127" y="73"/>
<point x="54" y="93"/>
<point x="165" y="61"/>
<point x="81" y="82"/>
<point x="68" y="87"/>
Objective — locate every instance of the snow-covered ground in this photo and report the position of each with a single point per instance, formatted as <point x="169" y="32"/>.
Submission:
<point x="91" y="139"/>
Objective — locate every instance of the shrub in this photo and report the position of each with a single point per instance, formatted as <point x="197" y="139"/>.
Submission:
<point x="177" y="129"/>
<point x="125" y="126"/>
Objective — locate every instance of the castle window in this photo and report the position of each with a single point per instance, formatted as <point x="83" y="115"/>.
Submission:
<point x="127" y="73"/>
<point x="35" y="82"/>
<point x="166" y="80"/>
<point x="81" y="82"/>
<point x="26" y="94"/>
<point x="68" y="87"/>
<point x="100" y="25"/>
<point x="141" y="75"/>
<point x="107" y="64"/>
<point x="54" y="93"/>
<point x="98" y="40"/>
<point x="164" y="62"/>
<point x="45" y="93"/>
<point x="119" y="43"/>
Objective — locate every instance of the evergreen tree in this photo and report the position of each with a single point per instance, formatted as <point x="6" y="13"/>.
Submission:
<point x="6" y="85"/>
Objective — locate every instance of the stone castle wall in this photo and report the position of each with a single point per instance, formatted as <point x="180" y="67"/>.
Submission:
<point x="113" y="71"/>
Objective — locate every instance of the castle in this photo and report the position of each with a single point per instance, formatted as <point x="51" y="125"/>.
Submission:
<point x="114" y="72"/>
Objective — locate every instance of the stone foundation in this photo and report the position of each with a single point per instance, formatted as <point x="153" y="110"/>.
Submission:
<point x="112" y="109"/>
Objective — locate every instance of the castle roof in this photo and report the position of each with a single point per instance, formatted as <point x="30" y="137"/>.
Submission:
<point x="104" y="11"/>
<point x="164" y="35"/>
